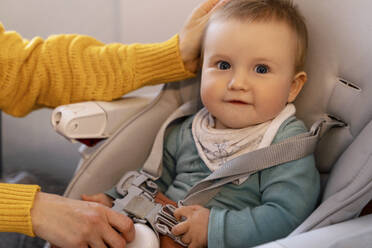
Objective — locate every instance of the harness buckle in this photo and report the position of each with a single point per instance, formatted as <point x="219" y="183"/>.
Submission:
<point x="138" y="203"/>
<point x="165" y="221"/>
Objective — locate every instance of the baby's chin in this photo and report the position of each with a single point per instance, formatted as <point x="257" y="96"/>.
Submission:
<point x="221" y="125"/>
<point x="240" y="124"/>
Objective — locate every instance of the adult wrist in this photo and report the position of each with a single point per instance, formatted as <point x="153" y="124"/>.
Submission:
<point x="190" y="60"/>
<point x="17" y="201"/>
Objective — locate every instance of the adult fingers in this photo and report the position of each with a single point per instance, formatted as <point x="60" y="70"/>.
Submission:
<point x="208" y="7"/>
<point x="100" y="244"/>
<point x="219" y="5"/>
<point x="100" y="198"/>
<point x="73" y="223"/>
<point x="112" y="238"/>
<point x="91" y="198"/>
<point x="122" y="224"/>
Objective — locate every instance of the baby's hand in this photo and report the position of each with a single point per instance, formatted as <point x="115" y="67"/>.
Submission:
<point x="99" y="198"/>
<point x="194" y="229"/>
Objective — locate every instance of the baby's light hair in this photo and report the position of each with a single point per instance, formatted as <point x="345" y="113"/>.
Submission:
<point x="268" y="10"/>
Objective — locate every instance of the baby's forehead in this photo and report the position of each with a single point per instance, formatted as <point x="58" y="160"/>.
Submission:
<point x="251" y="11"/>
<point x="249" y="42"/>
<point x="258" y="11"/>
<point x="256" y="28"/>
<point x="251" y="21"/>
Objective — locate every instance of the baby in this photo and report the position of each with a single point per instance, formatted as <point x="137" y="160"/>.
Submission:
<point x="253" y="60"/>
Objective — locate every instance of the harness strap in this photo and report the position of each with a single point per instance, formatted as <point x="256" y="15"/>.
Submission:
<point x="139" y="191"/>
<point x="152" y="166"/>
<point x="291" y="149"/>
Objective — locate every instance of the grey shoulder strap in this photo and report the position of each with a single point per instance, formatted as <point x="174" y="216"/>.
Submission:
<point x="152" y="166"/>
<point x="290" y="149"/>
<point x="293" y="148"/>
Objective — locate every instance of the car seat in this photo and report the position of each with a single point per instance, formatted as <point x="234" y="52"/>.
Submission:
<point x="340" y="86"/>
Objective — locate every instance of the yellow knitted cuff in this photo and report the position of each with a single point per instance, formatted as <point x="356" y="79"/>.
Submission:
<point x="16" y="201"/>
<point x="160" y="62"/>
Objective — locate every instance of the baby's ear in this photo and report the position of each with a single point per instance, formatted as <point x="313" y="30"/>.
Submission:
<point x="298" y="82"/>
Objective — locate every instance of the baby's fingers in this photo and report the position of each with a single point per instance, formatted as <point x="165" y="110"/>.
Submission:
<point x="186" y="238"/>
<point x="180" y="228"/>
<point x="183" y="211"/>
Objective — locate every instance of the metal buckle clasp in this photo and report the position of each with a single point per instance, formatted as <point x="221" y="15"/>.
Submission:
<point x="138" y="203"/>
<point x="135" y="178"/>
<point x="165" y="221"/>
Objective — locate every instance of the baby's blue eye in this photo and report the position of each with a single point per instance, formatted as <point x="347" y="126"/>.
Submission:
<point x="261" y="69"/>
<point x="223" y="65"/>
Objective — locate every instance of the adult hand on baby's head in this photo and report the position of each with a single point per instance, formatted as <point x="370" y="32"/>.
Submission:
<point x="194" y="229"/>
<point x="72" y="223"/>
<point x="192" y="32"/>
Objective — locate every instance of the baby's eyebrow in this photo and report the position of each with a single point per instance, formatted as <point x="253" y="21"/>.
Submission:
<point x="219" y="55"/>
<point x="265" y="60"/>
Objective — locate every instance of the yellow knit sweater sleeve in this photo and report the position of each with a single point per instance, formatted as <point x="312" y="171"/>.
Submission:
<point x="70" y="68"/>
<point x="65" y="69"/>
<point x="15" y="204"/>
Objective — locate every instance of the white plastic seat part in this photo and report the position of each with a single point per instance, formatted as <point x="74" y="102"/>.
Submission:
<point x="95" y="119"/>
<point x="145" y="237"/>
<point x="340" y="85"/>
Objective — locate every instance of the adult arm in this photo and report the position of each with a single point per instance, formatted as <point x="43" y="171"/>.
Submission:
<point x="74" y="223"/>
<point x="70" y="68"/>
<point x="87" y="223"/>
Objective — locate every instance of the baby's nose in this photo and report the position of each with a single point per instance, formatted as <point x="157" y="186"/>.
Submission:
<point x="239" y="82"/>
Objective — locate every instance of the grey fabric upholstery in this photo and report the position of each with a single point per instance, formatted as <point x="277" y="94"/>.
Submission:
<point x="349" y="187"/>
<point x="340" y="40"/>
<point x="340" y="84"/>
<point x="129" y="147"/>
<point x="352" y="234"/>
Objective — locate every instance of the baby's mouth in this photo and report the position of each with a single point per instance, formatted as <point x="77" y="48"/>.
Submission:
<point x="238" y="102"/>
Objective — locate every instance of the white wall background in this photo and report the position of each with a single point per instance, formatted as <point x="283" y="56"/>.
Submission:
<point x="30" y="142"/>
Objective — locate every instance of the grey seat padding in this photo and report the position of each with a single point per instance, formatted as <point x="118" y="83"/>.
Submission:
<point x="339" y="84"/>
<point x="352" y="190"/>
<point x="352" y="234"/>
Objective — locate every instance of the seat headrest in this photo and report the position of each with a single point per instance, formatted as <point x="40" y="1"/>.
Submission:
<point x="338" y="66"/>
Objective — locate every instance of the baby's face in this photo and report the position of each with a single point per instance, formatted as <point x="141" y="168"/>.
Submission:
<point x="248" y="71"/>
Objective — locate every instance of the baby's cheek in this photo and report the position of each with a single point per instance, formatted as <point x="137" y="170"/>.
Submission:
<point x="270" y="108"/>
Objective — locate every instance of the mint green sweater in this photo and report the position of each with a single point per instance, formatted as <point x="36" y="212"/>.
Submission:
<point x="268" y="206"/>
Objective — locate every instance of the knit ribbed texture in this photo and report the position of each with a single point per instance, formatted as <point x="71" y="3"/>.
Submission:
<point x="65" y="69"/>
<point x="71" y="68"/>
<point x="16" y="201"/>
